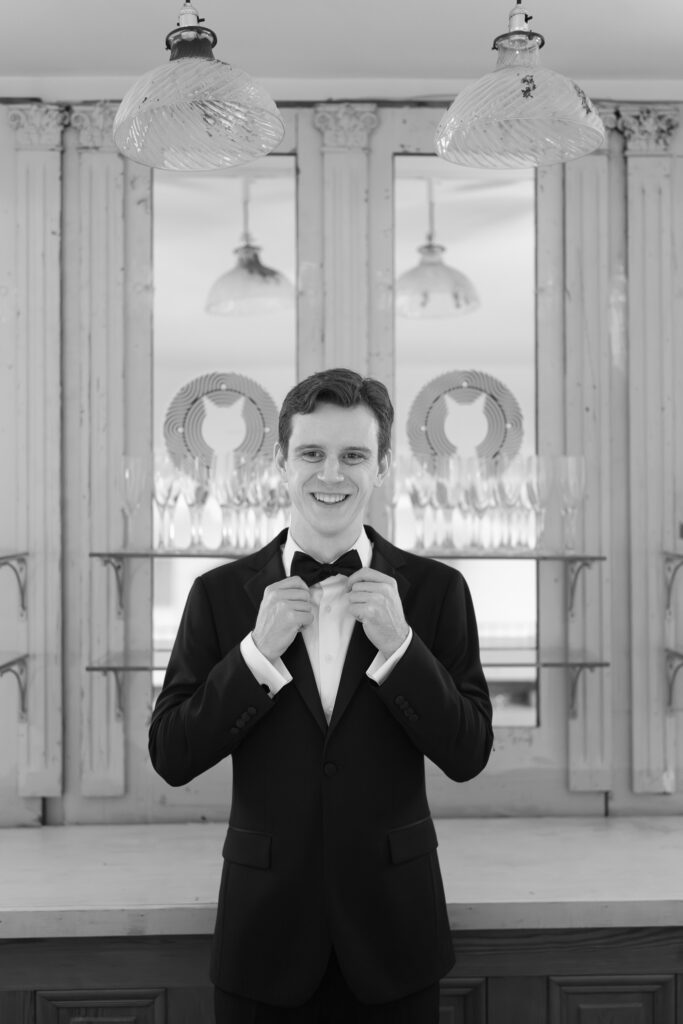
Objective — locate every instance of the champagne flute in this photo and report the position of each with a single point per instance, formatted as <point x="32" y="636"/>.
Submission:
<point x="194" y="485"/>
<point x="572" y="481"/>
<point x="133" y="482"/>
<point x="166" y="491"/>
<point x="539" y="485"/>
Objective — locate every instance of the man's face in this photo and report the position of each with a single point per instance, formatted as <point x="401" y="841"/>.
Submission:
<point x="331" y="469"/>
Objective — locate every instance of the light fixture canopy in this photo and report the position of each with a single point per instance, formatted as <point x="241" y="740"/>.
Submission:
<point x="196" y="113"/>
<point x="521" y="114"/>
<point x="432" y="288"/>
<point x="250" y="287"/>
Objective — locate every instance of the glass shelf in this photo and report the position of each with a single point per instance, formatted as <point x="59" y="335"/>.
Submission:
<point x="450" y="554"/>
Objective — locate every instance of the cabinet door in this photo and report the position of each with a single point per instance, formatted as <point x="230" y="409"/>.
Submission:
<point x="102" y="1007"/>
<point x="462" y="1001"/>
<point x="645" y="999"/>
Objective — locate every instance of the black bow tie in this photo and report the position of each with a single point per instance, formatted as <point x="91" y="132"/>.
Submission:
<point x="311" y="571"/>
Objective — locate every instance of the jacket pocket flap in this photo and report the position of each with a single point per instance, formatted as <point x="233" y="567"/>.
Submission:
<point x="412" y="840"/>
<point x="250" y="848"/>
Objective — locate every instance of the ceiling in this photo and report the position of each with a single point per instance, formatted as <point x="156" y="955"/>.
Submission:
<point x="318" y="49"/>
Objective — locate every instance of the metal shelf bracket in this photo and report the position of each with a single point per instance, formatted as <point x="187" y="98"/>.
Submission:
<point x="17" y="563"/>
<point x="674" y="663"/>
<point x="118" y="680"/>
<point x="18" y="668"/>
<point x="574" y="567"/>
<point x="672" y="564"/>
<point x="116" y="562"/>
<point x="574" y="676"/>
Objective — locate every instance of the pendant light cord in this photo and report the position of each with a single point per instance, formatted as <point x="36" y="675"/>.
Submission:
<point x="245" y="211"/>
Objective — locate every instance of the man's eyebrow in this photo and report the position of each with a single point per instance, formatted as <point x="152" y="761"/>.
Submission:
<point x="348" y="448"/>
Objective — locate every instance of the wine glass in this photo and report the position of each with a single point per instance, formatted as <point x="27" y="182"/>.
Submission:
<point x="420" y="485"/>
<point x="509" y="486"/>
<point x="223" y="490"/>
<point x="194" y="486"/>
<point x="572" y="482"/>
<point x="133" y="483"/>
<point x="539" y="485"/>
<point x="165" y="491"/>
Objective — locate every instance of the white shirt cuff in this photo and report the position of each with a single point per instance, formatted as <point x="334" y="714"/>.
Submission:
<point x="273" y="674"/>
<point x="381" y="666"/>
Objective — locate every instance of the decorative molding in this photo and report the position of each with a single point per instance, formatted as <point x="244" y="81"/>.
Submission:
<point x="608" y="113"/>
<point x="94" y="124"/>
<point x="346" y="125"/>
<point x="647" y="130"/>
<point x="38" y="125"/>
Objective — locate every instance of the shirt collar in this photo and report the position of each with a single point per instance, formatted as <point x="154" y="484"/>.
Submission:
<point x="363" y="546"/>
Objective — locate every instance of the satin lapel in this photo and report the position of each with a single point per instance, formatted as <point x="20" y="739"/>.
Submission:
<point x="270" y="571"/>
<point x="299" y="665"/>
<point x="359" y="657"/>
<point x="361" y="652"/>
<point x="296" y="657"/>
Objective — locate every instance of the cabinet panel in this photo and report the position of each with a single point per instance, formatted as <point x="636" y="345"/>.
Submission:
<point x="114" y="1007"/>
<point x="16" y="1007"/>
<point x="462" y="1001"/>
<point x="517" y="999"/>
<point x="190" y="1005"/>
<point x="648" y="999"/>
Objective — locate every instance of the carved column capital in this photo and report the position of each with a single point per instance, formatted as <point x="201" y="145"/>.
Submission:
<point x="94" y="123"/>
<point x="38" y="125"/>
<point x="608" y="113"/>
<point x="647" y="130"/>
<point x="346" y="125"/>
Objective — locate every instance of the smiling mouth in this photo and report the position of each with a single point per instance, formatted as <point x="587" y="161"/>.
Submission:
<point x="329" y="499"/>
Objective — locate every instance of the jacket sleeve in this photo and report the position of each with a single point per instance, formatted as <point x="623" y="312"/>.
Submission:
<point x="209" y="702"/>
<point x="438" y="693"/>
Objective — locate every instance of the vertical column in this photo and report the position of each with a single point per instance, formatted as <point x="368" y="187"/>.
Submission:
<point x="587" y="431"/>
<point x="101" y="343"/>
<point x="346" y="129"/>
<point x="653" y="279"/>
<point x="38" y="142"/>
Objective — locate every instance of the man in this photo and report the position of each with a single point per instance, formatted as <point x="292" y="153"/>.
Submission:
<point x="328" y="686"/>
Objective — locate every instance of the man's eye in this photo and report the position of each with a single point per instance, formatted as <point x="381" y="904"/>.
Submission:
<point x="312" y="454"/>
<point x="354" y="456"/>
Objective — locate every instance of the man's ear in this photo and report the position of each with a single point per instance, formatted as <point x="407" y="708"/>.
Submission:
<point x="383" y="468"/>
<point x="280" y="460"/>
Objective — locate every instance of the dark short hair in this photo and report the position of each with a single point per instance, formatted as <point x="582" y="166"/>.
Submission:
<point x="338" y="387"/>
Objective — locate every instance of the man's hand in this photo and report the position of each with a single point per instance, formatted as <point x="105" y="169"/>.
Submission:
<point x="374" y="600"/>
<point x="285" y="609"/>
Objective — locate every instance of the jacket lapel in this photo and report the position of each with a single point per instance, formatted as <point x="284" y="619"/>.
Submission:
<point x="361" y="653"/>
<point x="269" y="569"/>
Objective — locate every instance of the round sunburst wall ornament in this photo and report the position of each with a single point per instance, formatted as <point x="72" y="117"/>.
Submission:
<point x="428" y="413"/>
<point x="186" y="413"/>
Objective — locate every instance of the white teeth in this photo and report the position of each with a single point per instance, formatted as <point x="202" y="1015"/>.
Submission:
<point x="329" y="499"/>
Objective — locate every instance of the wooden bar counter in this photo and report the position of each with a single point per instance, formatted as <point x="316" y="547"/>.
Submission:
<point x="570" y="920"/>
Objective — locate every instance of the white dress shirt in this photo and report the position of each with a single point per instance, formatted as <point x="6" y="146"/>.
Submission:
<point x="327" y="638"/>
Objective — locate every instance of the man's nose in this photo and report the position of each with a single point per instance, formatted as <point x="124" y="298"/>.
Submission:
<point x="331" y="470"/>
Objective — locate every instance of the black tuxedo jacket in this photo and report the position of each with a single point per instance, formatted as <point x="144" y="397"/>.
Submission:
<point x="330" y="840"/>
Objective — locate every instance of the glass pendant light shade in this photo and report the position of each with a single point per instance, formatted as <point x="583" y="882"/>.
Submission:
<point x="196" y="113"/>
<point x="250" y="287"/>
<point x="521" y="114"/>
<point x="432" y="288"/>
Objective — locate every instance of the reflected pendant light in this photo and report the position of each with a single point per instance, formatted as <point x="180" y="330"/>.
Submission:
<point x="250" y="287"/>
<point x="196" y="113"/>
<point x="521" y="114"/>
<point x="432" y="288"/>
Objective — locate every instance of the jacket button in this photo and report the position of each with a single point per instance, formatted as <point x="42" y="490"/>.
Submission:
<point x="330" y="768"/>
<point x="400" y="701"/>
<point x="234" y="731"/>
<point x="251" y="712"/>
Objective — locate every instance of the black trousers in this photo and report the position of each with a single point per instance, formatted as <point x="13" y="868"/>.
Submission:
<point x="332" y="1003"/>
